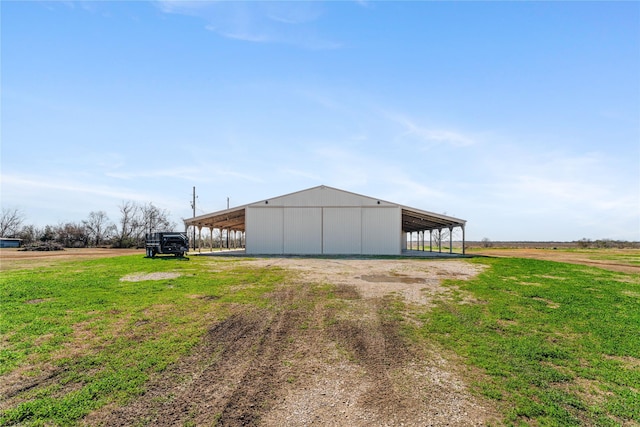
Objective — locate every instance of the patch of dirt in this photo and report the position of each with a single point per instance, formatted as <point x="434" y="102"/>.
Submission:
<point x="38" y="300"/>
<point x="629" y="362"/>
<point x="139" y="277"/>
<point x="417" y="281"/>
<point x="549" y="303"/>
<point x="320" y="355"/>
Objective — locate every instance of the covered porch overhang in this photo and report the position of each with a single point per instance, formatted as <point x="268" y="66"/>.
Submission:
<point x="419" y="221"/>
<point x="229" y="220"/>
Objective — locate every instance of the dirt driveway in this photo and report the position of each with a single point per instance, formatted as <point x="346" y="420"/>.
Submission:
<point x="323" y="355"/>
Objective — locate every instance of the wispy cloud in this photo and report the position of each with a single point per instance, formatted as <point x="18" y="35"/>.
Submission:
<point x="202" y="172"/>
<point x="190" y="174"/>
<point x="301" y="174"/>
<point x="38" y="184"/>
<point x="429" y="136"/>
<point x="258" y="22"/>
<point x="354" y="169"/>
<point x="568" y="183"/>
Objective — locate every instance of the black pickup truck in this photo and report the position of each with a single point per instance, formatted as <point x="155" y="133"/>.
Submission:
<point x="168" y="242"/>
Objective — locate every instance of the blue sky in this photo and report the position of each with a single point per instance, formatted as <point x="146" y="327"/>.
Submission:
<point x="521" y="117"/>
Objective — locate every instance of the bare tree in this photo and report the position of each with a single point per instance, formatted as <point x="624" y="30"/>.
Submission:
<point x="136" y="220"/>
<point x="48" y="234"/>
<point x="30" y="234"/>
<point x="436" y="237"/>
<point x="71" y="235"/>
<point x="98" y="227"/>
<point x="127" y="226"/>
<point x="155" y="219"/>
<point x="10" y="222"/>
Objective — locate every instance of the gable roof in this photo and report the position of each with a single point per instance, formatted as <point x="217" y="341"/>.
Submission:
<point x="412" y="219"/>
<point x="323" y="195"/>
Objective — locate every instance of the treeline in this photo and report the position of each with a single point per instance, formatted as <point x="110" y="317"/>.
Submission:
<point x="606" y="243"/>
<point x="97" y="230"/>
<point x="580" y="244"/>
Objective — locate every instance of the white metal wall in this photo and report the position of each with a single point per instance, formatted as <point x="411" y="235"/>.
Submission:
<point x="342" y="230"/>
<point x="323" y="220"/>
<point x="381" y="230"/>
<point x="302" y="230"/>
<point x="264" y="230"/>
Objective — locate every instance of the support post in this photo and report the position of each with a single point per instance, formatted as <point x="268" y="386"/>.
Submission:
<point x="430" y="240"/>
<point x="199" y="239"/>
<point x="463" y="250"/>
<point x="450" y="240"/>
<point x="440" y="240"/>
<point x="193" y="205"/>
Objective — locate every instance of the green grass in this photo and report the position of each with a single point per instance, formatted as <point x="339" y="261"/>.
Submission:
<point x="626" y="258"/>
<point x="104" y="337"/>
<point x="550" y="343"/>
<point x="554" y="343"/>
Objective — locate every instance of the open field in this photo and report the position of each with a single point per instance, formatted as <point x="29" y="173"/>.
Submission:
<point x="300" y="341"/>
<point x="623" y="260"/>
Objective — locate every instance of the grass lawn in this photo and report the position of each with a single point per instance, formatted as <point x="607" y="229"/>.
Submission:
<point x="106" y="336"/>
<point x="549" y="343"/>
<point x="558" y="344"/>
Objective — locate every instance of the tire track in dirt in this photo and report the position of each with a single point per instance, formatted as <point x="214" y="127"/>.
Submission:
<point x="260" y="385"/>
<point x="378" y="347"/>
<point x="231" y="379"/>
<point x="319" y="354"/>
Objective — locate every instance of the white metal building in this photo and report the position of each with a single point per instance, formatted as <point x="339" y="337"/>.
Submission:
<point x="325" y="220"/>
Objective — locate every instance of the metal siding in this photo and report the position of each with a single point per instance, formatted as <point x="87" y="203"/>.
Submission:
<point x="322" y="196"/>
<point x="9" y="243"/>
<point x="333" y="197"/>
<point x="342" y="230"/>
<point x="264" y="230"/>
<point x="311" y="197"/>
<point x="302" y="230"/>
<point x="323" y="220"/>
<point x="380" y="231"/>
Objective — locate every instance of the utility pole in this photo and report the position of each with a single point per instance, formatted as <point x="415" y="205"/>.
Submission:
<point x="227" y="228"/>
<point x="193" y="206"/>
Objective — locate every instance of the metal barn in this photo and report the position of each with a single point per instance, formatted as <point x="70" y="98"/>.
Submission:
<point x="325" y="220"/>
